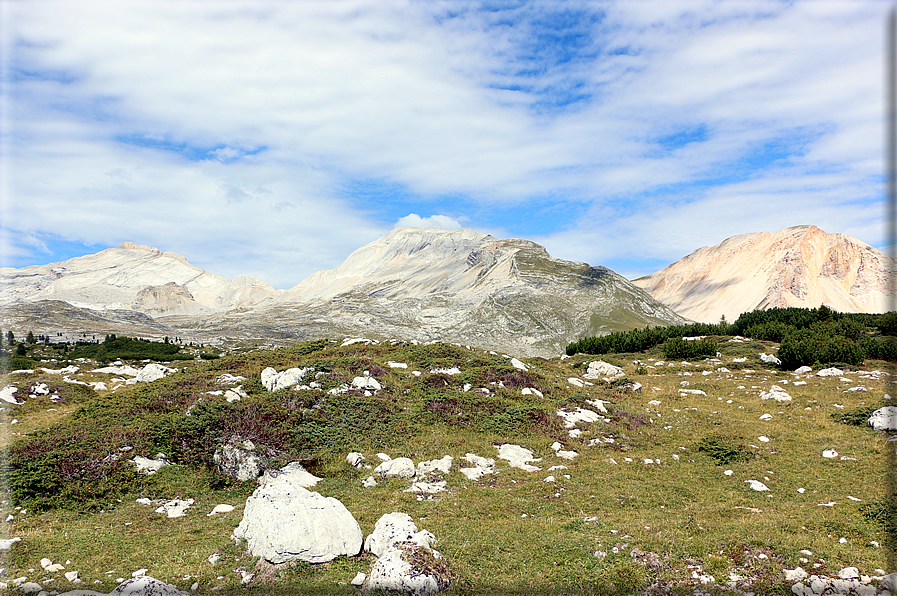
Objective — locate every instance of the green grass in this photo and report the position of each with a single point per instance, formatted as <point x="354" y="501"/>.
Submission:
<point x="509" y="532"/>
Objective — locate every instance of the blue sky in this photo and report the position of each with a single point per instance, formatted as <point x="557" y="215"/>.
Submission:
<point x="272" y="138"/>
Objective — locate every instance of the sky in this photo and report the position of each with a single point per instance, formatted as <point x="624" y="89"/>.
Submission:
<point x="273" y="138"/>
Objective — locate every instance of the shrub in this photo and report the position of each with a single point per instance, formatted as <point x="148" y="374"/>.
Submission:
<point x="819" y="345"/>
<point x="724" y="449"/>
<point x="769" y="331"/>
<point x="676" y="347"/>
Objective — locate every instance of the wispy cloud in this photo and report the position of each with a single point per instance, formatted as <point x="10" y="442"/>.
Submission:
<point x="273" y="138"/>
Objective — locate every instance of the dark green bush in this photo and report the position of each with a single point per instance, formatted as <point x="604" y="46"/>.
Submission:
<point x="114" y="348"/>
<point x="819" y="345"/>
<point x="724" y="449"/>
<point x="640" y="340"/>
<point x="881" y="348"/>
<point x="676" y="347"/>
<point x="769" y="331"/>
<point x="856" y="416"/>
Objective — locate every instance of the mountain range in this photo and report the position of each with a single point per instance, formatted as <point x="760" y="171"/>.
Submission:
<point x="412" y="284"/>
<point x="448" y="285"/>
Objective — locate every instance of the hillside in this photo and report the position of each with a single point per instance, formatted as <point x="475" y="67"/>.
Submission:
<point x="801" y="267"/>
<point x="676" y="477"/>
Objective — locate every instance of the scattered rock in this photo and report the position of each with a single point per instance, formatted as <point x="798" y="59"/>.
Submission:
<point x="223" y="508"/>
<point x="884" y="418"/>
<point x="407" y="569"/>
<point x="829" y="454"/>
<point x="152" y="372"/>
<point x="775" y="393"/>
<point x="770" y="359"/>
<point x="482" y="466"/>
<point x="518" y="457"/>
<point x="427" y="488"/>
<point x="283" y="522"/>
<point x="518" y="364"/>
<point x="143" y="585"/>
<point x="599" y="369"/>
<point x="572" y="418"/>
<point x="150" y="466"/>
<point x="6" y="394"/>
<point x="175" y="507"/>
<point x="756" y="485"/>
<point x="830" y="372"/>
<point x="355" y="459"/>
<point x="400" y="467"/>
<point x="393" y="528"/>
<point x="435" y="466"/>
<point x="803" y="370"/>
<point x="366" y="384"/>
<point x="275" y="381"/>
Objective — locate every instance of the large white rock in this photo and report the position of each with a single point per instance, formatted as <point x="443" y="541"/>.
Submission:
<point x="366" y="384"/>
<point x="572" y="418"/>
<point x="884" y="418"/>
<point x="149" y="466"/>
<point x="392" y="572"/>
<point x="518" y="364"/>
<point x="600" y="368"/>
<point x="770" y="359"/>
<point x="275" y="381"/>
<point x="7" y="394"/>
<point x="482" y="466"/>
<point x="776" y="393"/>
<point x="283" y="522"/>
<point x="152" y="372"/>
<point x="518" y="457"/>
<point x="830" y="372"/>
<point x="400" y="467"/>
<point x="393" y="528"/>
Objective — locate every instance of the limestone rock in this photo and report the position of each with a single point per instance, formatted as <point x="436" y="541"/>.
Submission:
<point x="283" y="522"/>
<point x="138" y="586"/>
<point x="775" y="393"/>
<point x="407" y="569"/>
<point x="175" y="507"/>
<point x="482" y="466"/>
<point x="803" y="370"/>
<point x="275" y="381"/>
<point x="830" y="372"/>
<point x="770" y="359"/>
<point x="149" y="466"/>
<point x="600" y="368"/>
<point x="152" y="372"/>
<point x="884" y="418"/>
<point x="238" y="459"/>
<point x="294" y="472"/>
<point x="366" y="384"/>
<point x="354" y="459"/>
<point x="435" y="466"/>
<point x="400" y="467"/>
<point x="393" y="528"/>
<point x="518" y="457"/>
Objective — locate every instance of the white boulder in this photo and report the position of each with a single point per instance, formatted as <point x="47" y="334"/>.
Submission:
<point x="803" y="370"/>
<point x="884" y="418"/>
<point x="152" y="372"/>
<point x="275" y="381"/>
<point x="7" y="394"/>
<point x="175" y="507"/>
<point x="283" y="522"/>
<point x="518" y="365"/>
<point x="600" y="368"/>
<point x="138" y="586"/>
<point x="400" y="467"/>
<point x="366" y="384"/>
<point x="757" y="485"/>
<point x="393" y="528"/>
<point x="355" y="459"/>
<point x="572" y="418"/>
<point x="393" y="573"/>
<point x="775" y="393"/>
<point x="830" y="372"/>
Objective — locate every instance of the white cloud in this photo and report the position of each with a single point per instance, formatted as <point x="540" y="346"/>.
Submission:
<point x="229" y="131"/>
<point x="413" y="220"/>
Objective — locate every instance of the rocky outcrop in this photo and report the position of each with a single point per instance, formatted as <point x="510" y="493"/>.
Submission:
<point x="800" y="267"/>
<point x="406" y="562"/>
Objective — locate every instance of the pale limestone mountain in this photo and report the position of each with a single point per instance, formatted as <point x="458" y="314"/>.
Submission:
<point x="412" y="284"/>
<point x="131" y="277"/>
<point x="457" y="286"/>
<point x="801" y="267"/>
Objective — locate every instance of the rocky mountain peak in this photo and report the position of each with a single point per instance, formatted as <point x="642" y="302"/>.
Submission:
<point x="801" y="266"/>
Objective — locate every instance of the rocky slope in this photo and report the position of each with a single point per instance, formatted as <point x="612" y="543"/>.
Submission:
<point x="801" y="266"/>
<point x="413" y="284"/>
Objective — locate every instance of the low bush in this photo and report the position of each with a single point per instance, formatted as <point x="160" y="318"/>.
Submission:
<point x="819" y="345"/>
<point x="724" y="449"/>
<point x="676" y="347"/>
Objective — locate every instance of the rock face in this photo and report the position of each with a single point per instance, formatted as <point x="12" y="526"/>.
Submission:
<point x="412" y="284"/>
<point x="801" y="267"/>
<point x="283" y="522"/>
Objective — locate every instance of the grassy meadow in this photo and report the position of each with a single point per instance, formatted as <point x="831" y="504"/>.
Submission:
<point x="610" y="523"/>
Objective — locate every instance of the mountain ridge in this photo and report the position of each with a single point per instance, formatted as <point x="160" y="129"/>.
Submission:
<point x="801" y="266"/>
<point x="414" y="283"/>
